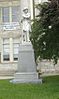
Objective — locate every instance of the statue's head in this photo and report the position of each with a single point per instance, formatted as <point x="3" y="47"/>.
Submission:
<point x="25" y="10"/>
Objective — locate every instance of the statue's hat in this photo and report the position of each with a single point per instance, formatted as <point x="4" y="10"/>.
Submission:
<point x="25" y="8"/>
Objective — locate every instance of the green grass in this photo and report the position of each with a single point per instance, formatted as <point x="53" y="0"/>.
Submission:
<point x="48" y="90"/>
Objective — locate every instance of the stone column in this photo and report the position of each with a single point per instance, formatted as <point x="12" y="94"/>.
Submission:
<point x="10" y="14"/>
<point x="1" y="15"/>
<point x="31" y="8"/>
<point x="40" y="1"/>
<point x="11" y="50"/>
<point x="0" y="48"/>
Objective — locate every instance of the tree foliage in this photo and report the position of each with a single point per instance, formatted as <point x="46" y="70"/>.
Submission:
<point x="45" y="31"/>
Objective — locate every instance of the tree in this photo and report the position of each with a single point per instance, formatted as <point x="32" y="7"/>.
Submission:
<point x="45" y="31"/>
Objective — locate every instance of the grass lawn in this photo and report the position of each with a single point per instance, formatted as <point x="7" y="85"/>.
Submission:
<point x="48" y="90"/>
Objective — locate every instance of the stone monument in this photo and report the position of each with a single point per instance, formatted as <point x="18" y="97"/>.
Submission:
<point x="26" y="62"/>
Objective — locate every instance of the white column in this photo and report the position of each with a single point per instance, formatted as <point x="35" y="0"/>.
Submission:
<point x="11" y="50"/>
<point x="1" y="16"/>
<point x="40" y="1"/>
<point x="1" y="49"/>
<point x="31" y="8"/>
<point x="10" y="14"/>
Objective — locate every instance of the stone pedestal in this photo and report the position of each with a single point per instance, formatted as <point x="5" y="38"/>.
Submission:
<point x="26" y="65"/>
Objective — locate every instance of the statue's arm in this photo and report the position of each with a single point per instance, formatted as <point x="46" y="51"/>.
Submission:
<point x="26" y="16"/>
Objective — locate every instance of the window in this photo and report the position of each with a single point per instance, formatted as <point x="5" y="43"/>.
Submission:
<point x="10" y="13"/>
<point x="15" y="49"/>
<point x="15" y="13"/>
<point x="6" y="56"/>
<point x="5" y="14"/>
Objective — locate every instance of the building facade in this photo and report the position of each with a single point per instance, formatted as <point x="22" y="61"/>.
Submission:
<point x="9" y="36"/>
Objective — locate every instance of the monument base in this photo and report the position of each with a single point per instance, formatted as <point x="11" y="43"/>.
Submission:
<point x="26" y="78"/>
<point x="26" y="65"/>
